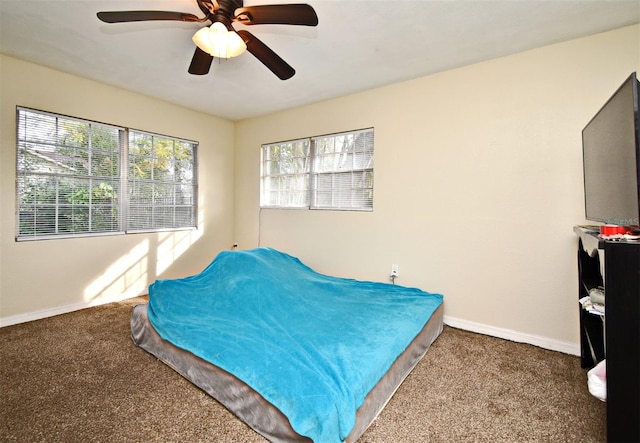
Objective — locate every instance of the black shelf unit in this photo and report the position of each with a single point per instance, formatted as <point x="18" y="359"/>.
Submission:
<point x="619" y="341"/>
<point x="591" y="325"/>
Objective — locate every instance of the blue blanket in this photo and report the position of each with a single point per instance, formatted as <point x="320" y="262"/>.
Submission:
<point x="311" y="344"/>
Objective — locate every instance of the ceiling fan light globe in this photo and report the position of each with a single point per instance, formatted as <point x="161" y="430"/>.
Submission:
<point x="201" y="39"/>
<point x="219" y="42"/>
<point x="235" y="44"/>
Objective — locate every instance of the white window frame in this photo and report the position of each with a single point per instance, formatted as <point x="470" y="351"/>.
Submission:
<point x="47" y="157"/>
<point x="326" y="172"/>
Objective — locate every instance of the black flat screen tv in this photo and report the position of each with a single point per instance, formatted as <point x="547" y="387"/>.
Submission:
<point x="611" y="159"/>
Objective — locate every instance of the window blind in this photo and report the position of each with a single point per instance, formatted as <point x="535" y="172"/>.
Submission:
<point x="324" y="172"/>
<point x="342" y="176"/>
<point x="285" y="177"/>
<point x="77" y="177"/>
<point x="68" y="175"/>
<point x="162" y="182"/>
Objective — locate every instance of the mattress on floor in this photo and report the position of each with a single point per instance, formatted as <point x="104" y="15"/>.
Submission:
<point x="311" y="346"/>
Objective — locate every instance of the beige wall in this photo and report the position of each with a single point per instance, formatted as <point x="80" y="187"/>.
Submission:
<point x="478" y="183"/>
<point x="44" y="277"/>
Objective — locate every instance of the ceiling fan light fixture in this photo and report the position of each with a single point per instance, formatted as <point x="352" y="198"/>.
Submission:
<point x="220" y="42"/>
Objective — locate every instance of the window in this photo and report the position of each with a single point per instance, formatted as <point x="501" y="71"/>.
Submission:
<point x="325" y="172"/>
<point x="77" y="177"/>
<point x="161" y="183"/>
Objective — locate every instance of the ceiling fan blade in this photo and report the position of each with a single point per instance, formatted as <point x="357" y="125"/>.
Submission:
<point x="268" y="58"/>
<point x="292" y="14"/>
<point x="140" y="16"/>
<point x="200" y="63"/>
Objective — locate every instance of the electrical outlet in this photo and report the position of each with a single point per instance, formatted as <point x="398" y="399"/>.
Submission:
<point x="394" y="270"/>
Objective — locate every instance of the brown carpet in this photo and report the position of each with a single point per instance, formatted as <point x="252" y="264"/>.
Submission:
<point x="78" y="377"/>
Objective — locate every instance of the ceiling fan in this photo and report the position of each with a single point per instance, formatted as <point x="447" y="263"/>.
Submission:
<point x="220" y="39"/>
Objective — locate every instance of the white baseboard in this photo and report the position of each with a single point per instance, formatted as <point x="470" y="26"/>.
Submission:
<point x="508" y="334"/>
<point x="50" y="312"/>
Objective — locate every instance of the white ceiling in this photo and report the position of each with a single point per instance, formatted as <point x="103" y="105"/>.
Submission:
<point x="358" y="45"/>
